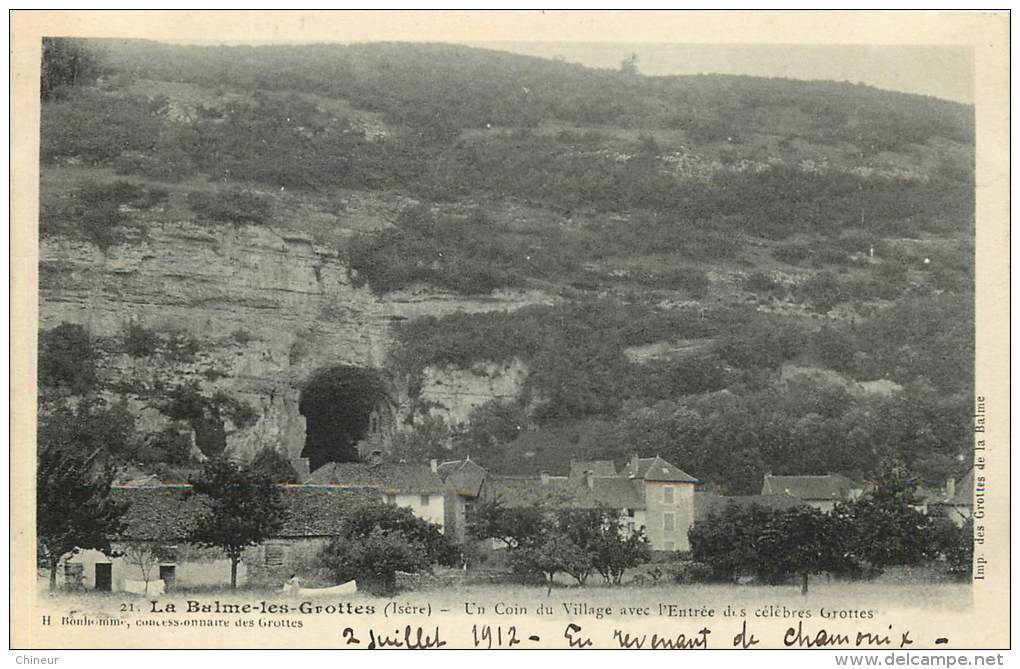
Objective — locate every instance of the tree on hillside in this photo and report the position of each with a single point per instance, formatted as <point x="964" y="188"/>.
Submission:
<point x="272" y="464"/>
<point x="90" y="426"/>
<point x="67" y="359"/>
<point x="66" y="62"/>
<point x="74" y="509"/>
<point x="429" y="438"/>
<point x="629" y="65"/>
<point x="243" y="509"/>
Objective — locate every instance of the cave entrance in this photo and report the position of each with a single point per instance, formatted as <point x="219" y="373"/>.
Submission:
<point x="346" y="408"/>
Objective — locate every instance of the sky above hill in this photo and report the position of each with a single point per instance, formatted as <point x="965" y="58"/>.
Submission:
<point x="941" y="71"/>
<point x="945" y="72"/>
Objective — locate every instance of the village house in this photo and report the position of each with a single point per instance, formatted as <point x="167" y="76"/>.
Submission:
<point x="415" y="486"/>
<point x="648" y="493"/>
<point x="668" y="492"/>
<point x="708" y="503"/>
<point x="162" y="516"/>
<point x="465" y="485"/>
<point x="821" y="492"/>
<point x="955" y="501"/>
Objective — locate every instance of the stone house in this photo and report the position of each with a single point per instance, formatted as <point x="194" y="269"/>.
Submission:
<point x="164" y="515"/>
<point x="668" y="494"/>
<point x="648" y="493"/>
<point x="415" y="486"/>
<point x="465" y="485"/>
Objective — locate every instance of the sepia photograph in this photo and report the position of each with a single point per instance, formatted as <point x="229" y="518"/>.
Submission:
<point x="497" y="343"/>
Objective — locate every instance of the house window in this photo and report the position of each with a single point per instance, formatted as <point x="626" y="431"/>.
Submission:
<point x="391" y="499"/>
<point x="667" y="494"/>
<point x="424" y="500"/>
<point x="274" y="555"/>
<point x="667" y="545"/>
<point x="668" y="522"/>
<point x="630" y="513"/>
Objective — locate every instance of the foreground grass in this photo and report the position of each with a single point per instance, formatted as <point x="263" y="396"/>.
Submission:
<point x="874" y="595"/>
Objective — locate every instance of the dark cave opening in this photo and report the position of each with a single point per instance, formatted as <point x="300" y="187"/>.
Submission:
<point x="338" y="405"/>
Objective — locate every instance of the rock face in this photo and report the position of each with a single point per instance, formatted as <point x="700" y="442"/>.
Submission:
<point x="455" y="392"/>
<point x="270" y="309"/>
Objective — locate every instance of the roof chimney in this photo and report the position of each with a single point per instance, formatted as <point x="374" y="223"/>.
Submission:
<point x="633" y="464"/>
<point x="545" y="478"/>
<point x="950" y="487"/>
<point x="589" y="479"/>
<point x="434" y="465"/>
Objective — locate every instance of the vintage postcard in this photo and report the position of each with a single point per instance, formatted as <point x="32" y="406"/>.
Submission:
<point x="510" y="330"/>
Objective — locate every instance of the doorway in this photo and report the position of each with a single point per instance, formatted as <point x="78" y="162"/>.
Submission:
<point x="104" y="576"/>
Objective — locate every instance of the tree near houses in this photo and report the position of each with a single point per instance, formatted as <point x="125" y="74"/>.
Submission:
<point x="600" y="536"/>
<point x="887" y="529"/>
<point x="555" y="554"/>
<point x="146" y="555"/>
<point x="802" y="541"/>
<point x="614" y="551"/>
<point x="401" y="520"/>
<point x="727" y="540"/>
<point x="955" y="544"/>
<point x="374" y="558"/>
<point x="514" y="526"/>
<point x="774" y="545"/>
<point x="376" y="541"/>
<point x="74" y="509"/>
<point x="243" y="509"/>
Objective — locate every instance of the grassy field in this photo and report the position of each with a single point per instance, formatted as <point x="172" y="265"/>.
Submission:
<point x="878" y="595"/>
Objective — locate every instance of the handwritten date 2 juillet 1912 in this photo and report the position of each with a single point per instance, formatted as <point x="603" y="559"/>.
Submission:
<point x="574" y="636"/>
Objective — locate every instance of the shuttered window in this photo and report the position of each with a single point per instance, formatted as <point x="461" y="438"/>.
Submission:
<point x="274" y="555"/>
<point x="668" y="522"/>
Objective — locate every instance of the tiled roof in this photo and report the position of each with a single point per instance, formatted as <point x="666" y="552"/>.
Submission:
<point x="596" y="467"/>
<point x="464" y="477"/>
<point x="391" y="478"/>
<point x="170" y="513"/>
<point x="617" y="493"/>
<point x="159" y="513"/>
<point x="964" y="491"/>
<point x="318" y="511"/>
<point x="657" y="469"/>
<point x="559" y="491"/>
<point x="707" y="502"/>
<point x="832" y="487"/>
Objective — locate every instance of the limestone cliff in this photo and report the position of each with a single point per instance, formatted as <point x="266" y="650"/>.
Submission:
<point x="269" y="308"/>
